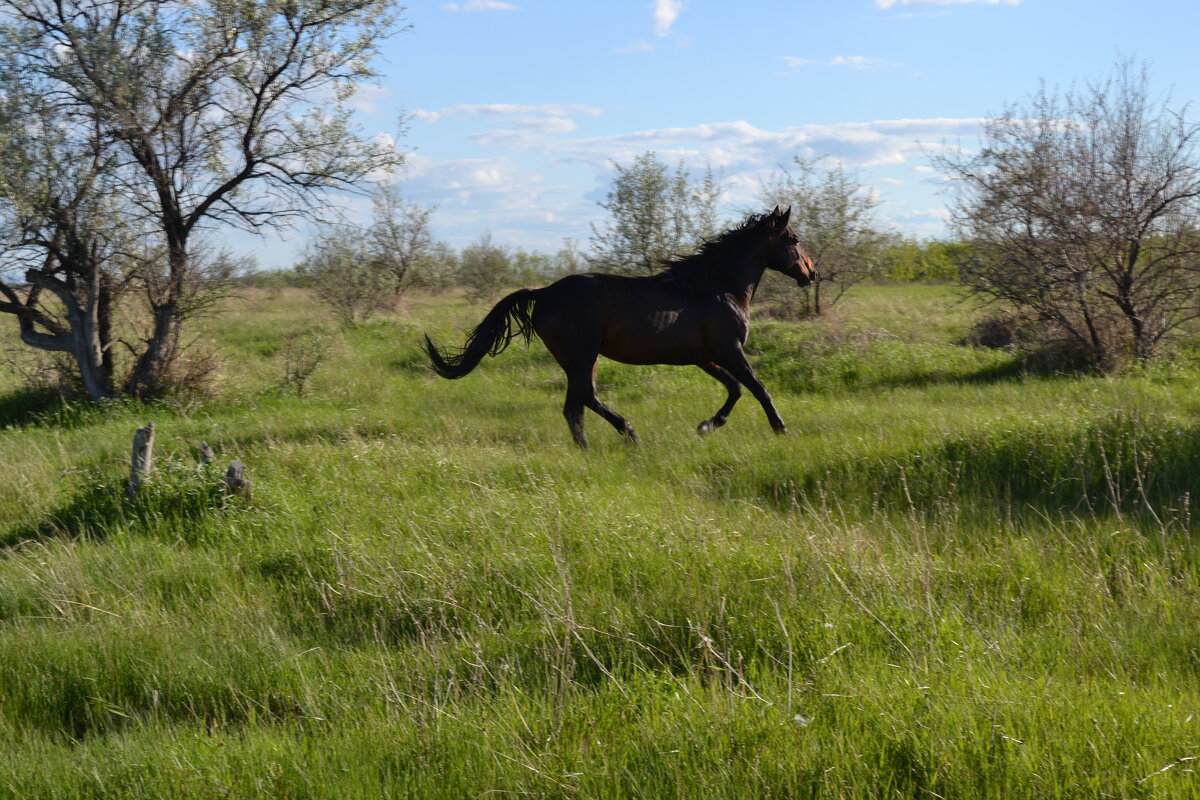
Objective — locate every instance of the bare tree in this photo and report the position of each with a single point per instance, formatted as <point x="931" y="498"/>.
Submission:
<point x="834" y="216"/>
<point x="66" y="253"/>
<point x="400" y="236"/>
<point x="1082" y="212"/>
<point x="209" y="113"/>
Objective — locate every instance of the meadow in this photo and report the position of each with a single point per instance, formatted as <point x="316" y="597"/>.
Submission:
<point x="952" y="577"/>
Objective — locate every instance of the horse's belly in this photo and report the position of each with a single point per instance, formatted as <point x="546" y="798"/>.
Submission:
<point x="666" y="336"/>
<point x="650" y="351"/>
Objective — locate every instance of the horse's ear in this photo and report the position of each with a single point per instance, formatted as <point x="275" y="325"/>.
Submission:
<point x="787" y="215"/>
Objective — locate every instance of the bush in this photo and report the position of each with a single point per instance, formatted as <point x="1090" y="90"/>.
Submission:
<point x="484" y="268"/>
<point x="346" y="277"/>
<point x="1044" y="347"/>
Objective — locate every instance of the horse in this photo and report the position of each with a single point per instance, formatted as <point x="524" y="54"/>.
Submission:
<point x="695" y="312"/>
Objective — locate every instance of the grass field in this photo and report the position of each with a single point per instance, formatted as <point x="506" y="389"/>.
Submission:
<point x="950" y="579"/>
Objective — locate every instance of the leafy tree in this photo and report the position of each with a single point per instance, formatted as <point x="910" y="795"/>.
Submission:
<point x="567" y="260"/>
<point x="529" y="266"/>
<point x="400" y="237"/>
<point x="834" y="217"/>
<point x="1082" y="210"/>
<point x="338" y="264"/>
<point x="654" y="216"/>
<point x="484" y="268"/>
<point x="184" y="116"/>
<point x="440" y="270"/>
<point x="906" y="259"/>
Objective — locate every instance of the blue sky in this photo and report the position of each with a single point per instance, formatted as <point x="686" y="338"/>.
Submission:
<point x="517" y="109"/>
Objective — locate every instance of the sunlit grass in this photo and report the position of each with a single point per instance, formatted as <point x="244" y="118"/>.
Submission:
<point x="951" y="578"/>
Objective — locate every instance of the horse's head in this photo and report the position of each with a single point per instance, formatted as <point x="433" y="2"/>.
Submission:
<point x="785" y="254"/>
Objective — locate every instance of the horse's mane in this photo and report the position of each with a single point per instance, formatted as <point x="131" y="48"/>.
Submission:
<point x="713" y="253"/>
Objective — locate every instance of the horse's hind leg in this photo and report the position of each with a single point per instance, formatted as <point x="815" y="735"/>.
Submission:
<point x="735" y="391"/>
<point x="588" y="389"/>
<point x="579" y="393"/>
<point x="578" y="360"/>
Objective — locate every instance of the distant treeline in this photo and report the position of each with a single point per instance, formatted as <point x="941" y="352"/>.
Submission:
<point x="483" y="265"/>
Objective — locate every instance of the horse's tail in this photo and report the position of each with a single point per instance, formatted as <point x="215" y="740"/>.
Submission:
<point x="506" y="321"/>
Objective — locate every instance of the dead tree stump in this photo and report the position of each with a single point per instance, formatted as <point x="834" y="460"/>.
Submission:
<point x="206" y="454"/>
<point x="141" y="460"/>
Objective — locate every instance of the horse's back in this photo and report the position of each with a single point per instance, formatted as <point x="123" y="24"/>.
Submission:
<point x="629" y="319"/>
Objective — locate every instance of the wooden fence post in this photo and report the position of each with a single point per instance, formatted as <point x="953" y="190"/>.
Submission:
<point x="236" y="481"/>
<point x="142" y="459"/>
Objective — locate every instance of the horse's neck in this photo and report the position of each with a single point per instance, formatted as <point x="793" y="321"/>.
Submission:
<point x="745" y="277"/>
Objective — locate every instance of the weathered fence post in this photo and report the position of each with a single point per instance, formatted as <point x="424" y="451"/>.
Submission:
<point x="236" y="481"/>
<point x="142" y="459"/>
<point x="206" y="454"/>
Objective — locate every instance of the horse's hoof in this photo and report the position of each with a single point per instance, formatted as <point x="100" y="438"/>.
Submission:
<point x="706" y="427"/>
<point x="780" y="430"/>
<point x="631" y="436"/>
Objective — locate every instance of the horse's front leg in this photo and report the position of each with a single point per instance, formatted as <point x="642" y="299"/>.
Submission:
<point x="740" y="368"/>
<point x="613" y="418"/>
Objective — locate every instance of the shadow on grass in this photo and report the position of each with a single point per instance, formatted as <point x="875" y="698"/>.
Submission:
<point x="46" y="408"/>
<point x="170" y="505"/>
<point x="1116" y="465"/>
<point x="818" y="365"/>
<point x="28" y="406"/>
<point x="1001" y="372"/>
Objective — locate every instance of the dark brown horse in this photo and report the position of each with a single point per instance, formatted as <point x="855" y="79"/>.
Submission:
<point x="696" y="311"/>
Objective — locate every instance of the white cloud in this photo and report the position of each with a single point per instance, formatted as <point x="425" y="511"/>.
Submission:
<point x="510" y="110"/>
<point x="524" y="126"/>
<point x="548" y="125"/>
<point x="517" y="195"/>
<point x="854" y="62"/>
<point x="635" y="47"/>
<point x="927" y="215"/>
<point x="736" y="146"/>
<point x="480" y="5"/>
<point x="477" y="184"/>
<point x="496" y="195"/>
<point x="665" y="14"/>
<point x="890" y="3"/>
<point x="367" y="96"/>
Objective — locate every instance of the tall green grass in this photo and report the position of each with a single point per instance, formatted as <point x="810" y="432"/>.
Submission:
<point x="949" y="579"/>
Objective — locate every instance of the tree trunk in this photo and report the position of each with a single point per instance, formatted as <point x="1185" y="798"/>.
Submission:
<point x="150" y="371"/>
<point x="149" y="375"/>
<point x="81" y="338"/>
<point x="104" y="328"/>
